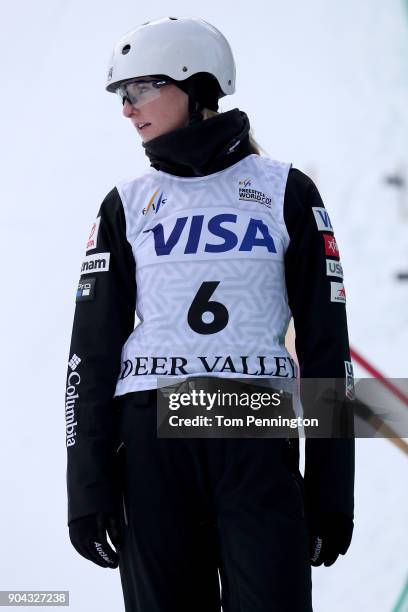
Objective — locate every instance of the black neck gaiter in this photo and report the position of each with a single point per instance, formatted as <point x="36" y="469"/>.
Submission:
<point x="202" y="148"/>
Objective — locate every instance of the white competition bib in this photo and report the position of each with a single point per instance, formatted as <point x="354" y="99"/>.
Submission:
<point x="211" y="293"/>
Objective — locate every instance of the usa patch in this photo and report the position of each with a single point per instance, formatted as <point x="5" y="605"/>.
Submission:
<point x="334" y="268"/>
<point x="86" y="290"/>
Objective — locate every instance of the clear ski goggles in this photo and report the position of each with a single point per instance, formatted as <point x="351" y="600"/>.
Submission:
<point x="138" y="93"/>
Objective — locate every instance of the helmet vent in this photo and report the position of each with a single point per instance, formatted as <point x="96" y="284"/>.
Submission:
<point x="174" y="18"/>
<point x="125" y="49"/>
<point x="185" y="68"/>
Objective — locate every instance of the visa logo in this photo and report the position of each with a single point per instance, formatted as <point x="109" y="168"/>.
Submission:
<point x="322" y="219"/>
<point x="256" y="234"/>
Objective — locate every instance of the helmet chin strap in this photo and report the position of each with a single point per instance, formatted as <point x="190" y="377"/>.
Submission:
<point x="201" y="93"/>
<point x="194" y="107"/>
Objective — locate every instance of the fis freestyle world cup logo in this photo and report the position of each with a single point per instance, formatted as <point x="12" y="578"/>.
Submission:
<point x="154" y="205"/>
<point x="252" y="195"/>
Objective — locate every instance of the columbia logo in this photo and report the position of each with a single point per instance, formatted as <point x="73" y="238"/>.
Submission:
<point x="74" y="362"/>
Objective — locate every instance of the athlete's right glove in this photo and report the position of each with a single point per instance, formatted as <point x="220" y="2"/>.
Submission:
<point x="88" y="537"/>
<point x="330" y="535"/>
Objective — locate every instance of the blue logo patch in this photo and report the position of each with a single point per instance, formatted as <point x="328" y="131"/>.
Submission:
<point x="86" y="290"/>
<point x="322" y="219"/>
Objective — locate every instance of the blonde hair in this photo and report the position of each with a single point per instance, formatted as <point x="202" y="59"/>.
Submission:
<point x="255" y="146"/>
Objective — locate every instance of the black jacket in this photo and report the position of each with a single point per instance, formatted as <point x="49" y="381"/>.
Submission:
<point x="101" y="327"/>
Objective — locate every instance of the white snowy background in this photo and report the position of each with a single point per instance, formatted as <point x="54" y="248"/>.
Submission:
<point x="325" y="85"/>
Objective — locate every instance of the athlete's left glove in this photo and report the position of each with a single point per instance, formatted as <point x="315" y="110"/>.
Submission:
<point x="88" y="537"/>
<point x="330" y="535"/>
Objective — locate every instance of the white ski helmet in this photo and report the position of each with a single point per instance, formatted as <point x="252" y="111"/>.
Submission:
<point x="175" y="47"/>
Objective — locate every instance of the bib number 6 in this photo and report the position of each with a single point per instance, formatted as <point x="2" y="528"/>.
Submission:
<point x="202" y="305"/>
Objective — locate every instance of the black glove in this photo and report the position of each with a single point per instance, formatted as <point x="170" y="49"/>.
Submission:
<point x="330" y="535"/>
<point x="88" y="537"/>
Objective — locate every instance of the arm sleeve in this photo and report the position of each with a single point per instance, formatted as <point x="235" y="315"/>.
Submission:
<point x="317" y="300"/>
<point x="103" y="320"/>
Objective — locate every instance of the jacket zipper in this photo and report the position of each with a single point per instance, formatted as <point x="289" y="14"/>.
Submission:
<point x="298" y="486"/>
<point x="299" y="492"/>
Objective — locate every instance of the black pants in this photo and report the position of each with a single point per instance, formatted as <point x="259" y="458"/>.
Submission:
<point x="192" y="507"/>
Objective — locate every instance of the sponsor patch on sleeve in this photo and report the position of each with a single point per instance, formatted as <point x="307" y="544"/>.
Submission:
<point x="338" y="292"/>
<point x="334" y="268"/>
<point x="92" y="241"/>
<point x="350" y="391"/>
<point x="322" y="219"/>
<point x="86" y="290"/>
<point x="330" y="246"/>
<point x="98" y="262"/>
